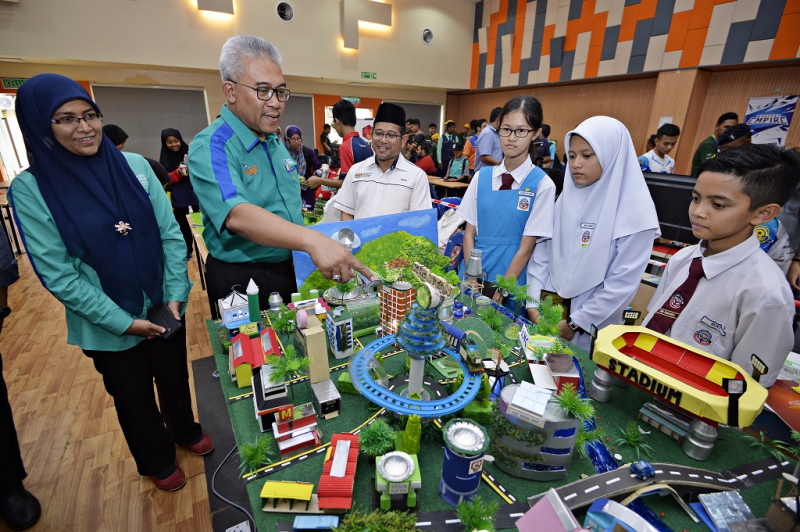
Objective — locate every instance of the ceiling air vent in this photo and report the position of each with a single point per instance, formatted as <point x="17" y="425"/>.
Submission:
<point x="427" y="36"/>
<point x="285" y="11"/>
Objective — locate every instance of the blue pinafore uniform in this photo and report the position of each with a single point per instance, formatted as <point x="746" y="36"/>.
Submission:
<point x="501" y="222"/>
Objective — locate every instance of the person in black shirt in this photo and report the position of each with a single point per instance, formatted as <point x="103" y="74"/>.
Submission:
<point x="325" y="140"/>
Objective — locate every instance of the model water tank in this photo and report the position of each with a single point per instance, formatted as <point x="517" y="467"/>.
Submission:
<point x="465" y="444"/>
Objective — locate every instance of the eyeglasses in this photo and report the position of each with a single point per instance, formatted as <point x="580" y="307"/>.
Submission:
<point x="506" y="132"/>
<point x="89" y="118"/>
<point x="389" y="135"/>
<point x="265" y="93"/>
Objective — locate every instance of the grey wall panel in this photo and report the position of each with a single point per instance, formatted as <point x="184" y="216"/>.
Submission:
<point x="299" y="111"/>
<point x="144" y="112"/>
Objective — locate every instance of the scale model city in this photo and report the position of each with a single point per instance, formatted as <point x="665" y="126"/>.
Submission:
<point x="534" y="430"/>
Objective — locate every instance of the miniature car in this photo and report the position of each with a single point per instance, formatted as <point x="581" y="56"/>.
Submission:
<point x="642" y="469"/>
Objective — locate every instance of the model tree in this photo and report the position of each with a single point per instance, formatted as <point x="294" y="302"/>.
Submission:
<point x="256" y="455"/>
<point x="377" y="521"/>
<point x="456" y="384"/>
<point x="509" y="286"/>
<point x="286" y="366"/>
<point x="485" y="391"/>
<point x="412" y="435"/>
<point x="549" y="315"/>
<point x="577" y="406"/>
<point x="376" y="439"/>
<point x="284" y="323"/>
<point x="477" y="514"/>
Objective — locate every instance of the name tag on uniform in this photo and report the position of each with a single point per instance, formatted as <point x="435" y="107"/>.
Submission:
<point x="290" y="165"/>
<point x="527" y="193"/>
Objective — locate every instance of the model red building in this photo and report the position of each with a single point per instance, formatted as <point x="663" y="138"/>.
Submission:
<point x="248" y="355"/>
<point x="335" y="490"/>
<point x="298" y="432"/>
<point x="396" y="300"/>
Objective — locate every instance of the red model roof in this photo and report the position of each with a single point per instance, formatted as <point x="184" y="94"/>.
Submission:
<point x="251" y="352"/>
<point x="268" y="342"/>
<point x="685" y="365"/>
<point x="336" y="493"/>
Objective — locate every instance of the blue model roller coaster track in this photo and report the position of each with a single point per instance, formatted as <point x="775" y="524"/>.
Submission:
<point x="373" y="391"/>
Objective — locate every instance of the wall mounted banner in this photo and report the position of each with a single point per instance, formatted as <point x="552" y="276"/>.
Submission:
<point x="769" y="118"/>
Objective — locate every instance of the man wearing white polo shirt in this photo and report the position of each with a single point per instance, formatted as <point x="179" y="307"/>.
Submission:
<point x="386" y="183"/>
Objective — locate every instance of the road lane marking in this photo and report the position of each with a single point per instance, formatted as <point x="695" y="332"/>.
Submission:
<point x="568" y="497"/>
<point x="613" y="480"/>
<point x="592" y="489"/>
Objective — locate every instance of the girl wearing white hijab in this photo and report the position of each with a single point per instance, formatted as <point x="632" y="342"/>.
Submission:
<point x="605" y="224"/>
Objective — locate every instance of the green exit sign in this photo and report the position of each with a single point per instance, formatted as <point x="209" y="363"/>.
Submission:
<point x="12" y="83"/>
<point x="369" y="75"/>
<point x="352" y="99"/>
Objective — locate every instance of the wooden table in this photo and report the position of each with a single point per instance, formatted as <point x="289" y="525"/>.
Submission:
<point x="447" y="188"/>
<point x="439" y="182"/>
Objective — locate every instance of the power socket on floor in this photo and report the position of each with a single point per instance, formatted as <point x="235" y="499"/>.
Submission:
<point x="244" y="526"/>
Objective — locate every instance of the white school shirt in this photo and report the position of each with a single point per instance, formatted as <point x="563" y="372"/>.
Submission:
<point x="650" y="162"/>
<point x="742" y="306"/>
<point x="367" y="191"/>
<point x="540" y="218"/>
<point x="603" y="304"/>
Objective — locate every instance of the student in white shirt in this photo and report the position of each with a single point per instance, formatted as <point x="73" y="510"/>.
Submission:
<point x="657" y="160"/>
<point x="386" y="183"/>
<point x="604" y="227"/>
<point x="505" y="222"/>
<point x="743" y="304"/>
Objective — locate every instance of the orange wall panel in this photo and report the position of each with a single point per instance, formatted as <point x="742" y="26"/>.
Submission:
<point x="792" y="6"/>
<point x="549" y="32"/>
<point x="678" y="29"/>
<point x="701" y="14"/>
<point x="647" y="9"/>
<point x="787" y="40"/>
<point x="321" y="101"/>
<point x="628" y="26"/>
<point x="693" y="47"/>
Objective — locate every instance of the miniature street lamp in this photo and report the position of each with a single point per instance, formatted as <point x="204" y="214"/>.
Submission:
<point x="474" y="273"/>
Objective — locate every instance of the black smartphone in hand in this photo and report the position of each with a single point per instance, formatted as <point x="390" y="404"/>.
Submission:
<point x="162" y="316"/>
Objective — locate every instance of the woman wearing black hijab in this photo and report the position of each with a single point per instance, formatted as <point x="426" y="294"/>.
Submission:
<point x="173" y="158"/>
<point x="100" y="235"/>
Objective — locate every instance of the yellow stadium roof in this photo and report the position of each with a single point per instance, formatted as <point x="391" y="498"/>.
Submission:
<point x="284" y="489"/>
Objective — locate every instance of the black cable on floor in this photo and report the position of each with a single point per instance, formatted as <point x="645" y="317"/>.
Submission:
<point x="214" y="489"/>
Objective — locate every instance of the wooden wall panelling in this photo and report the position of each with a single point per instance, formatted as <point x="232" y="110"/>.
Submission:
<point x="731" y="91"/>
<point x="673" y="93"/>
<point x="692" y="129"/>
<point x="566" y="106"/>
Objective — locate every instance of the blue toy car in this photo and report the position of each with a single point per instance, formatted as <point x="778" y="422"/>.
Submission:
<point x="642" y="469"/>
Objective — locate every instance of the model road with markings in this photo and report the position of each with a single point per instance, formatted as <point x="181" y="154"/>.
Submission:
<point x="619" y="481"/>
<point x="598" y="486"/>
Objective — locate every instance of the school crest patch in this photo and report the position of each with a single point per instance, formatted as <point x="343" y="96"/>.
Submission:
<point x="676" y="301"/>
<point x="703" y="337"/>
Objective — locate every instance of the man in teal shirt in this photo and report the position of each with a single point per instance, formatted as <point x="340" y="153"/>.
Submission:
<point x="710" y="147"/>
<point x="248" y="185"/>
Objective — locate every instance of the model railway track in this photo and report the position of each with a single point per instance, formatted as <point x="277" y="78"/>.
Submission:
<point x="373" y="391"/>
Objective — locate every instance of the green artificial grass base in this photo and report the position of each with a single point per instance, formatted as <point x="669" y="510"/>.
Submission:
<point x="623" y="407"/>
